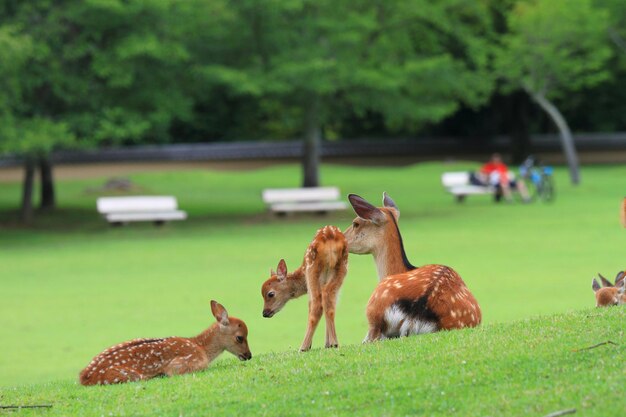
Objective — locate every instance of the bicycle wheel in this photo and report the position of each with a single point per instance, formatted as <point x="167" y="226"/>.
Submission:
<point x="547" y="189"/>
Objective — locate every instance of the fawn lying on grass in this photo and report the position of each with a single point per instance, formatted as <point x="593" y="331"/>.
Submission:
<point x="408" y="300"/>
<point x="320" y="275"/>
<point x="610" y="294"/>
<point x="148" y="358"/>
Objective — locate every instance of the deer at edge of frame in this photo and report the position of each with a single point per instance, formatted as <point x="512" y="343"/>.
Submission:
<point x="610" y="294"/>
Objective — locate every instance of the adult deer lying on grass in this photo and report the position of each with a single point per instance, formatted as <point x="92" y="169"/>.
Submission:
<point x="321" y="274"/>
<point x="407" y="300"/>
<point x="610" y="294"/>
<point x="147" y="358"/>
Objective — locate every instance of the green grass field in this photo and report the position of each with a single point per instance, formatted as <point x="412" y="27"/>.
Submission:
<point x="72" y="286"/>
<point x="527" y="368"/>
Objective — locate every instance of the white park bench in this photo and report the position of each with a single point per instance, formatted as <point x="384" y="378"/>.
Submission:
<point x="314" y="199"/>
<point x="459" y="185"/>
<point x="157" y="209"/>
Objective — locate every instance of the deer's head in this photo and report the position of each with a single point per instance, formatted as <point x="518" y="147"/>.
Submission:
<point x="374" y="226"/>
<point x="610" y="294"/>
<point x="276" y="291"/>
<point x="232" y="332"/>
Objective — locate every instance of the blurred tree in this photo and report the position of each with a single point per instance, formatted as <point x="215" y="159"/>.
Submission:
<point x="99" y="72"/>
<point x="602" y="108"/>
<point x="308" y="61"/>
<point x="32" y="137"/>
<point x="617" y="22"/>
<point x="554" y="49"/>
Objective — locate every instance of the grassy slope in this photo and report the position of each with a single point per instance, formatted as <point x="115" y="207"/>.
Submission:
<point x="72" y="288"/>
<point x="530" y="367"/>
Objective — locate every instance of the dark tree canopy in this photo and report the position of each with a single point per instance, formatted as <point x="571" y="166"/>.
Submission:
<point x="112" y="72"/>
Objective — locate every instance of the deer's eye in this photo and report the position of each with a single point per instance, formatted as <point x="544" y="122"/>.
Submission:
<point x="270" y="294"/>
<point x="355" y="224"/>
<point x="239" y="339"/>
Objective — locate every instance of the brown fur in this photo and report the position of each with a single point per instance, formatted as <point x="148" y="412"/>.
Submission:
<point x="376" y="231"/>
<point x="321" y="275"/>
<point x="448" y="297"/>
<point x="610" y="294"/>
<point x="141" y="359"/>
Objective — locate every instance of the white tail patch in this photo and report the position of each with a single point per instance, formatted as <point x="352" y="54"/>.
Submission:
<point x="399" y="324"/>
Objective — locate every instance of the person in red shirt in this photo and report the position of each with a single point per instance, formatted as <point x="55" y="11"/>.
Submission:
<point x="496" y="173"/>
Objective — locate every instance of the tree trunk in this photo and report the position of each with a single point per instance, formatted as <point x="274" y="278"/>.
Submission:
<point x="48" y="200"/>
<point x="26" y="210"/>
<point x="567" y="141"/>
<point x="617" y="39"/>
<point x="518" y="121"/>
<point x="312" y="144"/>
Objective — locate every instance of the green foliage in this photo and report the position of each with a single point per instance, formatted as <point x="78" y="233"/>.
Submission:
<point x="555" y="47"/>
<point x="101" y="71"/>
<point x="413" y="62"/>
<point x="35" y="136"/>
<point x="15" y="49"/>
<point x="617" y="25"/>
<point x="26" y="136"/>
<point x="119" y="72"/>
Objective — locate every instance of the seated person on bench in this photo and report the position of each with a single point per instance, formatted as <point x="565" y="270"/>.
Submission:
<point x="496" y="173"/>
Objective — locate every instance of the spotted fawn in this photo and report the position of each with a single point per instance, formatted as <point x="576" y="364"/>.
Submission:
<point x="141" y="359"/>
<point x="320" y="275"/>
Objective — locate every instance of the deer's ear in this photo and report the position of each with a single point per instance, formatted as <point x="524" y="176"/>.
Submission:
<point x="621" y="287"/>
<point x="365" y="210"/>
<point x="605" y="282"/>
<point x="272" y="272"/>
<point x="595" y="285"/>
<point x="619" y="277"/>
<point x="220" y="313"/>
<point x="389" y="203"/>
<point x="281" y="270"/>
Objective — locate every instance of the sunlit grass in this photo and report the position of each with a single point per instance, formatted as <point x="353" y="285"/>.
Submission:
<point x="530" y="367"/>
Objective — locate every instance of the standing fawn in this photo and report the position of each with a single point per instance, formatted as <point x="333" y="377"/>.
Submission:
<point x="320" y="275"/>
<point x="148" y="358"/>
<point x="610" y="294"/>
<point x="408" y="300"/>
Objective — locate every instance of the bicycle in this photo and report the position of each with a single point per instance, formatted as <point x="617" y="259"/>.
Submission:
<point x="541" y="176"/>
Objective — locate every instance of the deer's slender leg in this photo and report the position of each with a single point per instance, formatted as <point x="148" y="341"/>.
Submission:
<point x="329" y="300"/>
<point x="315" y="313"/>
<point x="119" y="374"/>
<point x="373" y="334"/>
<point x="185" y="364"/>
